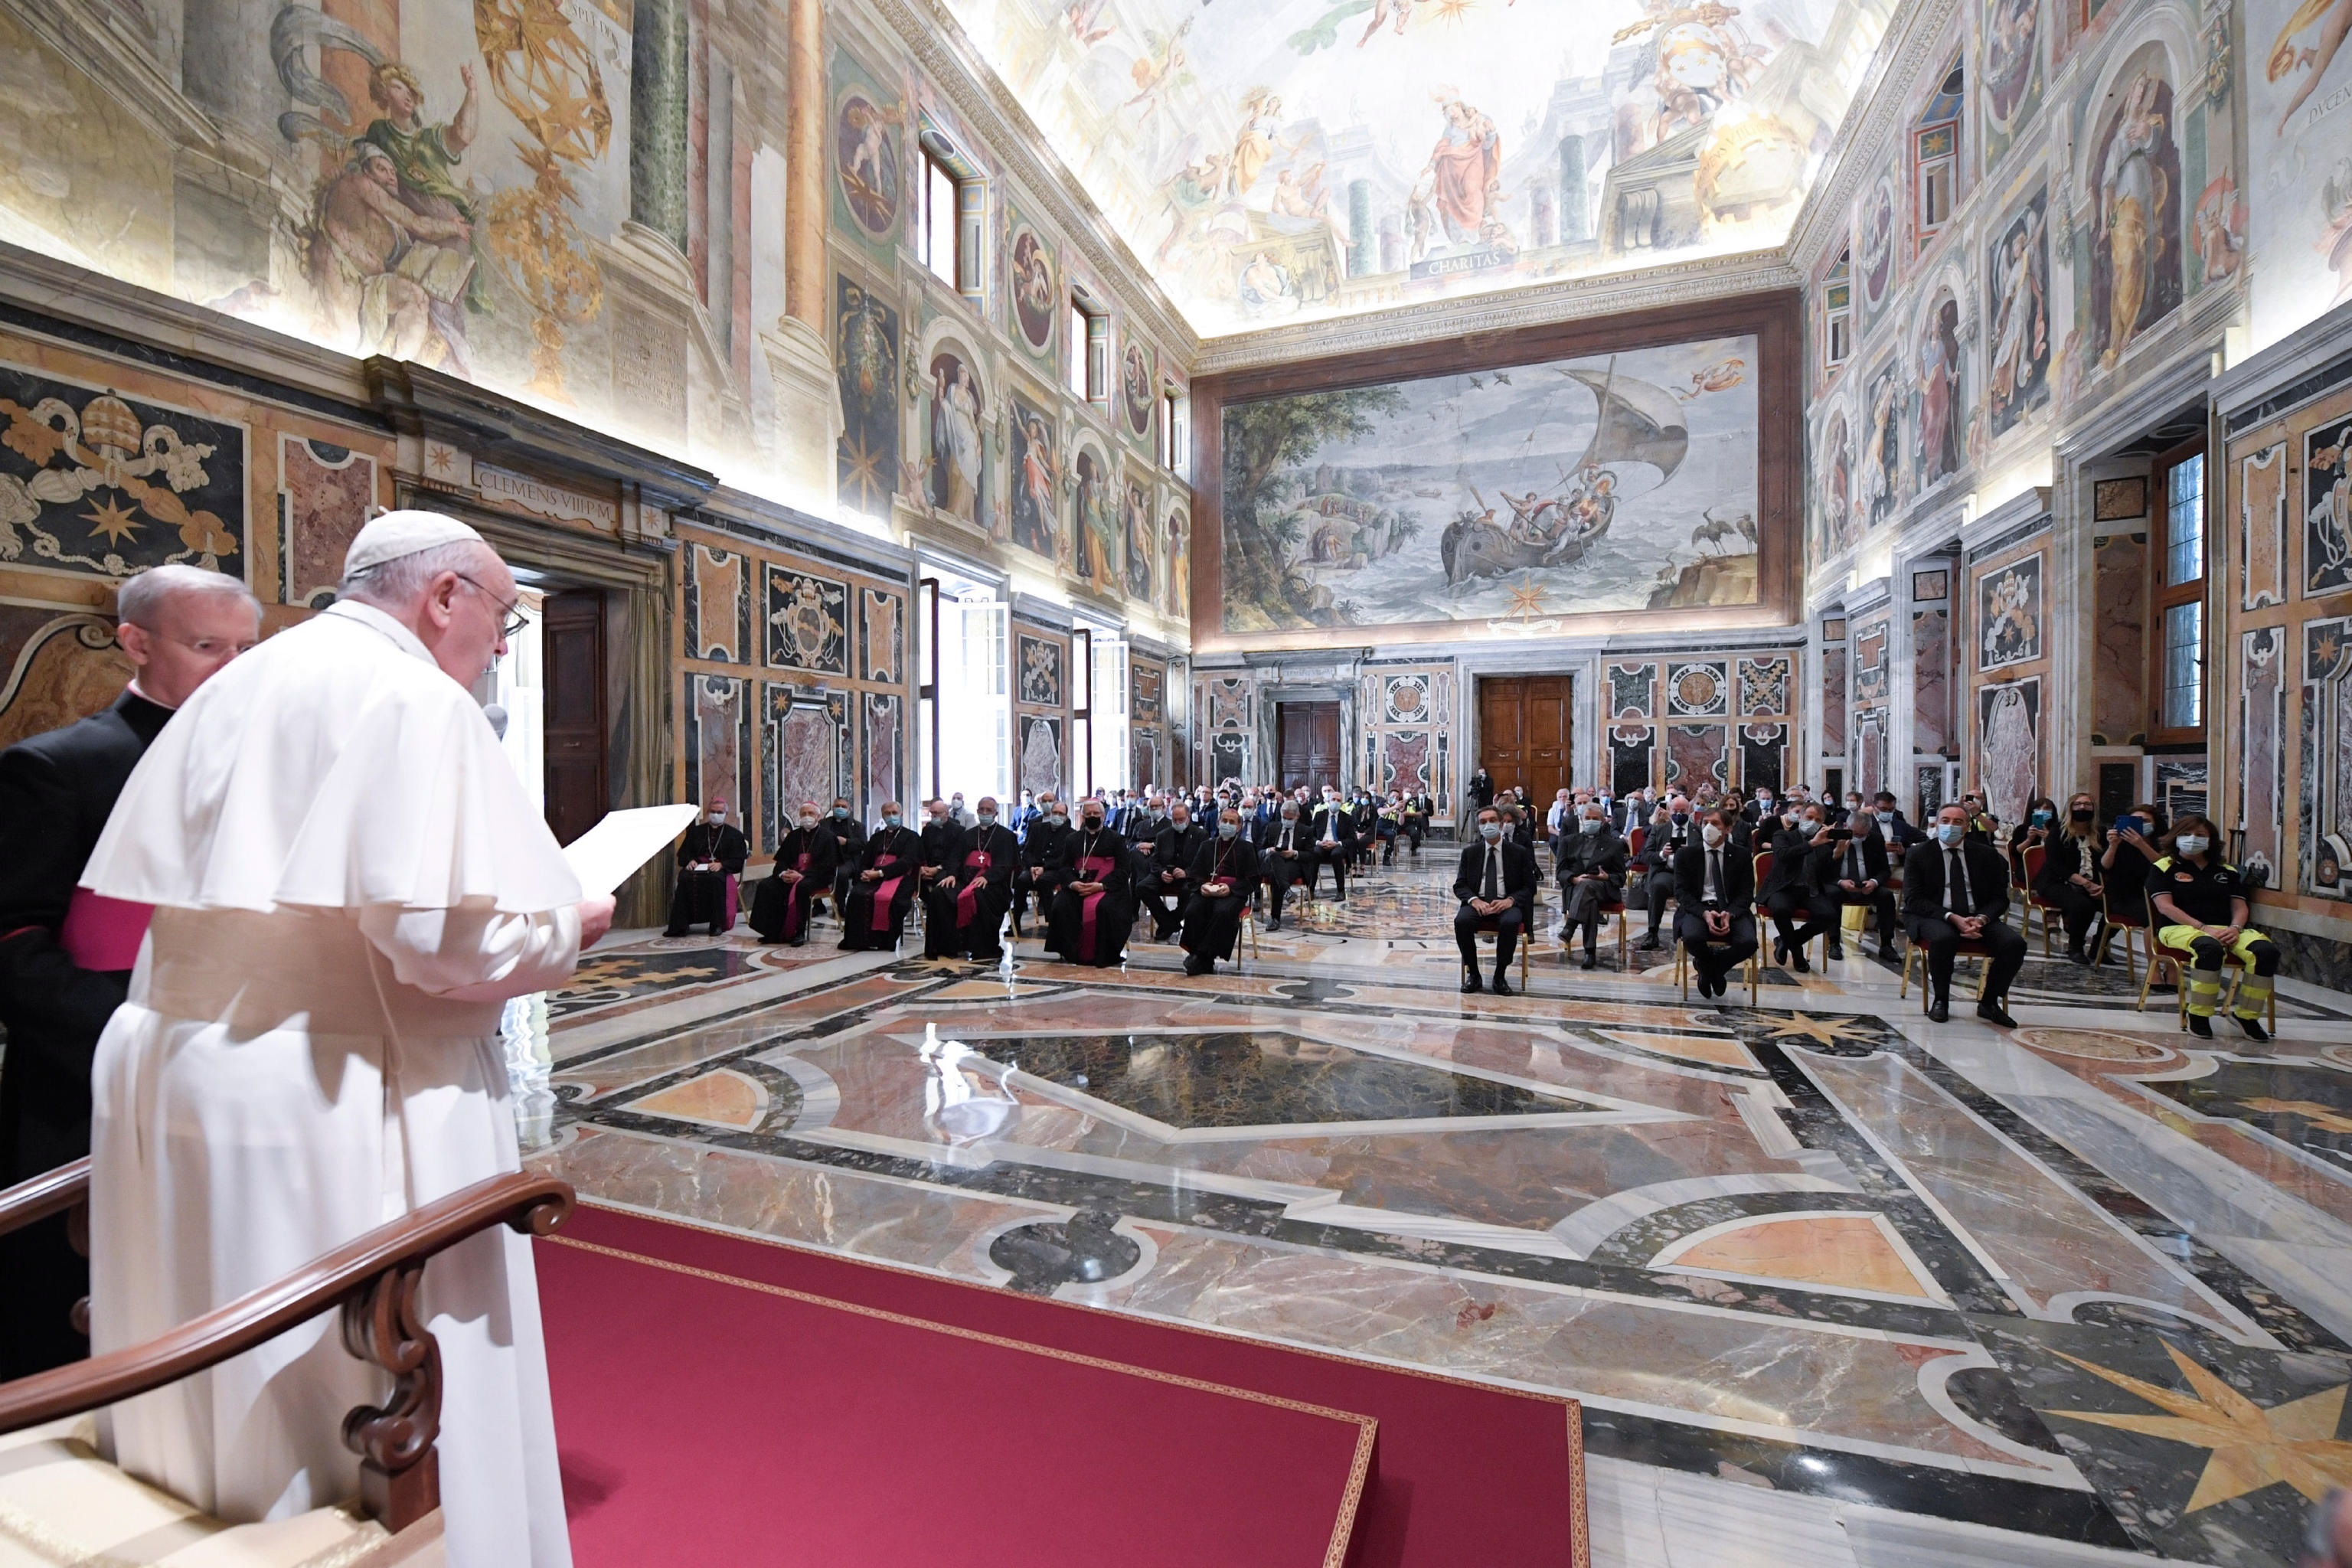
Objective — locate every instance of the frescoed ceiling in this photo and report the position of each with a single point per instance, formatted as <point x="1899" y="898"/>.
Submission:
<point x="1278" y="160"/>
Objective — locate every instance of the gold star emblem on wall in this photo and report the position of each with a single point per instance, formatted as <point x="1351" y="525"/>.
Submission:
<point x="2253" y="1446"/>
<point x="113" y="521"/>
<point x="1828" y="1031"/>
<point x="1528" y="599"/>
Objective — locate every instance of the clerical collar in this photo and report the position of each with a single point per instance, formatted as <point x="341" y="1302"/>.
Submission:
<point x="376" y="621"/>
<point x="135" y="690"/>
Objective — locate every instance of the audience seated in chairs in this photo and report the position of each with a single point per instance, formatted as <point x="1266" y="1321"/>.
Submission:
<point x="1591" y="859"/>
<point x="2199" y="905"/>
<point x="1040" y="859"/>
<point x="1790" y="890"/>
<point x="848" y="847"/>
<point x="882" y="887"/>
<point x="1954" y="891"/>
<point x="1497" y="885"/>
<point x="1222" y="874"/>
<point x="1285" y="856"/>
<point x="1333" y="836"/>
<point x="709" y="860"/>
<point x="1653" y="881"/>
<point x="1715" y="892"/>
<point x="1164" y="873"/>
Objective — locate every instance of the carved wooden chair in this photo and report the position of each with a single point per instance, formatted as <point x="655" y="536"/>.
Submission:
<point x="375" y="1280"/>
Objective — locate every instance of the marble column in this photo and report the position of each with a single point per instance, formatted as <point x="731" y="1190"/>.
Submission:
<point x="808" y="417"/>
<point x="657" y="118"/>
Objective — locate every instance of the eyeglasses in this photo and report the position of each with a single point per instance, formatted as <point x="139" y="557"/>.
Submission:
<point x="511" y="617"/>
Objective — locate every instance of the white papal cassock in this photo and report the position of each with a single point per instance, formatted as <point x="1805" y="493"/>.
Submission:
<point x="349" y="880"/>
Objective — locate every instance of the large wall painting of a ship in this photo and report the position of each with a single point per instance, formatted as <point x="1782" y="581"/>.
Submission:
<point x="1619" y="483"/>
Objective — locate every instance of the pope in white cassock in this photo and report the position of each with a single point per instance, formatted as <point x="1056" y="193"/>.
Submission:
<point x="349" y="880"/>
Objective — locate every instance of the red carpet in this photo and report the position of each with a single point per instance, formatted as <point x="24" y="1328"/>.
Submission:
<point x="708" y="1419"/>
<point x="1462" y="1473"/>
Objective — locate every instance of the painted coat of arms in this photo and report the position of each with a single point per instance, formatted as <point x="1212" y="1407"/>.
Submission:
<point x="100" y="483"/>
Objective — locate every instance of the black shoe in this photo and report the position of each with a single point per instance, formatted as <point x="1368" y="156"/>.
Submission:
<point x="2251" y="1025"/>
<point x="1837" y="952"/>
<point x="1471" y="982"/>
<point x="1798" y="962"/>
<point x="2074" y="954"/>
<point x="1993" y="1012"/>
<point x="680" y="932"/>
<point x="1273" y="924"/>
<point x="1501" y="987"/>
<point x="1196" y="965"/>
<point x="1939" y="1011"/>
<point x="1779" y="952"/>
<point x="1591" y="959"/>
<point x="1649" y="943"/>
<point x="2200" y="1026"/>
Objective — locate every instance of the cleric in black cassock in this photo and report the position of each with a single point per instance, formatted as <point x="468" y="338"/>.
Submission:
<point x="66" y="955"/>
<point x="965" y="910"/>
<point x="804" y="861"/>
<point x="1041" y="858"/>
<point x="848" y="845"/>
<point x="1165" y="869"/>
<point x="882" y="889"/>
<point x="1089" y="920"/>
<point x="1224" y="873"/>
<point x="709" y="858"/>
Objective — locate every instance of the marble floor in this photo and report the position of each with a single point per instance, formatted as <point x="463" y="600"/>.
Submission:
<point x="2031" y="1295"/>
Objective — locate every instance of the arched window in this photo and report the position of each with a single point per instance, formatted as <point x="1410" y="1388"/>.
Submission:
<point x="1936" y="160"/>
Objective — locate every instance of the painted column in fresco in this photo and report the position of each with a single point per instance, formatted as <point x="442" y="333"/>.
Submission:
<point x="804" y="284"/>
<point x="225" y="61"/>
<point x="657" y="120"/>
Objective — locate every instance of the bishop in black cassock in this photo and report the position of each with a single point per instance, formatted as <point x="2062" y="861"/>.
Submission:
<point x="709" y="858"/>
<point x="965" y="910"/>
<point x="1088" y="919"/>
<point x="803" y="868"/>
<point x="882" y="889"/>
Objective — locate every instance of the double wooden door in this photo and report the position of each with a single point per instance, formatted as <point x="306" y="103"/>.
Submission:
<point x="578" y="739"/>
<point x="1523" y="733"/>
<point x="1307" y="734"/>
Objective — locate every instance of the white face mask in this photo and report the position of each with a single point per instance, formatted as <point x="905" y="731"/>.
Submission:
<point x="1592" y="824"/>
<point x="2191" y="843"/>
<point x="712" y="816"/>
<point x="1490" y="831"/>
<point x="1712" y="834"/>
<point x="808" y="819"/>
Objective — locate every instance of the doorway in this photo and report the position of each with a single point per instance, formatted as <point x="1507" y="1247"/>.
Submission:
<point x="1523" y="733"/>
<point x="1306" y="740"/>
<point x="572" y="705"/>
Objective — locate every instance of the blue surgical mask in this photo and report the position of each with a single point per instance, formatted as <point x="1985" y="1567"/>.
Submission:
<point x="1886" y="819"/>
<point x="1951" y="833"/>
<point x="1227" y="829"/>
<point x="988" y="819"/>
<point x="1490" y="831"/>
<point x="1059" y="818"/>
<point x="841" y="814"/>
<point x="890" y="819"/>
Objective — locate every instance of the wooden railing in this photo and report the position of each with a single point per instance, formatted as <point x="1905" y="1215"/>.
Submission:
<point x="373" y="1278"/>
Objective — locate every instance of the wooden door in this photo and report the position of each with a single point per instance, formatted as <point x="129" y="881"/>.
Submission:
<point x="1524" y="733"/>
<point x="573" y="659"/>
<point x="1308" y="736"/>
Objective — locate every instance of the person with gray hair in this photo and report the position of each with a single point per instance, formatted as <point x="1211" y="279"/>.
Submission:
<point x="350" y="881"/>
<point x="66" y="958"/>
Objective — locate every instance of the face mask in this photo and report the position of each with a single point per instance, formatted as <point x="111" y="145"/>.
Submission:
<point x="959" y="803"/>
<point x="1712" y="834"/>
<point x="1886" y="819"/>
<point x="841" y="814"/>
<point x="1180" y="823"/>
<point x="1592" y="824"/>
<point x="1060" y="819"/>
<point x="1681" y="818"/>
<point x="1093" y="822"/>
<point x="1289" y="817"/>
<point x="1813" y="825"/>
<point x="988" y="819"/>
<point x="2191" y="843"/>
<point x="1764" y="802"/>
<point x="1227" y="829"/>
<point x="1490" y="831"/>
<point x="2081" y="814"/>
<point x="890" y="819"/>
<point x="1854" y="806"/>
<point x="2042" y="819"/>
<point x="712" y="816"/>
<point x="808" y="819"/>
<point x="1951" y="833"/>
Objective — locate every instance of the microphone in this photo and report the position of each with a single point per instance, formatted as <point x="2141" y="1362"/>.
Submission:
<point x="497" y="715"/>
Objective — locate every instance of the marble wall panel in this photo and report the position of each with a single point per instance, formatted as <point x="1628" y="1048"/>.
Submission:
<point x="327" y="492"/>
<point x="716" y="604"/>
<point x="1039" y="666"/>
<point x="2328" y="508"/>
<point x="1631" y="748"/>
<point x="807" y="622"/>
<point x="1834" y="697"/>
<point x="805" y="755"/>
<point x="719" y="751"/>
<point x="2119" y="640"/>
<point x="1868" y="750"/>
<point x="1763" y="755"/>
<point x="884" y="747"/>
<point x="1764" y="686"/>
<point x="61" y="665"/>
<point x="883" y="616"/>
<point x="1632" y="690"/>
<point x="2261" y="752"/>
<point x="1931" y="679"/>
<point x="1698" y="754"/>
<point x="2009" y="746"/>
<point x="2262" y="527"/>
<point x="1042" y="757"/>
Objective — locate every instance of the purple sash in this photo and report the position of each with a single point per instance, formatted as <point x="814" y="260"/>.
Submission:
<point x="796" y="895"/>
<point x="1091" y="869"/>
<point x="967" y="896"/>
<point x="885" y="892"/>
<point x="103" y="933"/>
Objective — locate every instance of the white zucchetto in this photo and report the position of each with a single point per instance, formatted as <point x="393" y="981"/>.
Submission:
<point x="399" y="534"/>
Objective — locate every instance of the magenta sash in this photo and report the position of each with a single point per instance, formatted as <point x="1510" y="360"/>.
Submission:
<point x="885" y="892"/>
<point x="967" y="896"/>
<point x="796" y="897"/>
<point x="103" y="933"/>
<point x="1091" y="869"/>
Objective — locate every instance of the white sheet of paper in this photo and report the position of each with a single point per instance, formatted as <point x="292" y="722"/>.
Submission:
<point x="605" y="856"/>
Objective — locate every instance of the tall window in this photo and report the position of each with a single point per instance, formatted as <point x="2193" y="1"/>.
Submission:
<point x="1935" y="160"/>
<point x="1837" y="312"/>
<point x="1174" y="432"/>
<point x="927" y="691"/>
<point x="942" y="231"/>
<point x="1082" y="712"/>
<point x="2180" y="597"/>
<point x="1086" y="350"/>
<point x="1109" y="713"/>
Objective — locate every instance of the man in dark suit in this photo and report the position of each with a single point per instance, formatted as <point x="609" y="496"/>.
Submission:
<point x="1855" y="872"/>
<point x="65" y="956"/>
<point x="1040" y="859"/>
<point x="1496" y="884"/>
<point x="1956" y="888"/>
<point x="709" y="860"/>
<point x="1591" y="862"/>
<point x="1669" y="827"/>
<point x="1334" y="835"/>
<point x="1714" y="889"/>
<point x="1789" y="887"/>
<point x="1164" y="880"/>
<point x="1284" y="855"/>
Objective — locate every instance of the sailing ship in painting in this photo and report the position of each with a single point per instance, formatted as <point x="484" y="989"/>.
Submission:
<point x="1625" y="481"/>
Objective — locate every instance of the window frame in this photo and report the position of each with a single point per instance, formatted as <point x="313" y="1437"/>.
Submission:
<point x="942" y="160"/>
<point x="2163" y="597"/>
<point x="1837" y="311"/>
<point x="1080" y="751"/>
<point x="1925" y="234"/>
<point x="927" y="687"/>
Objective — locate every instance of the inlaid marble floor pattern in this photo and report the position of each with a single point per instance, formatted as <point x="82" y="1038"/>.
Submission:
<point x="2012" y="1296"/>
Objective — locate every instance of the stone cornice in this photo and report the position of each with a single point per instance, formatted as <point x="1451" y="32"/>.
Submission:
<point x="1910" y="47"/>
<point x="1673" y="283"/>
<point x="947" y="57"/>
